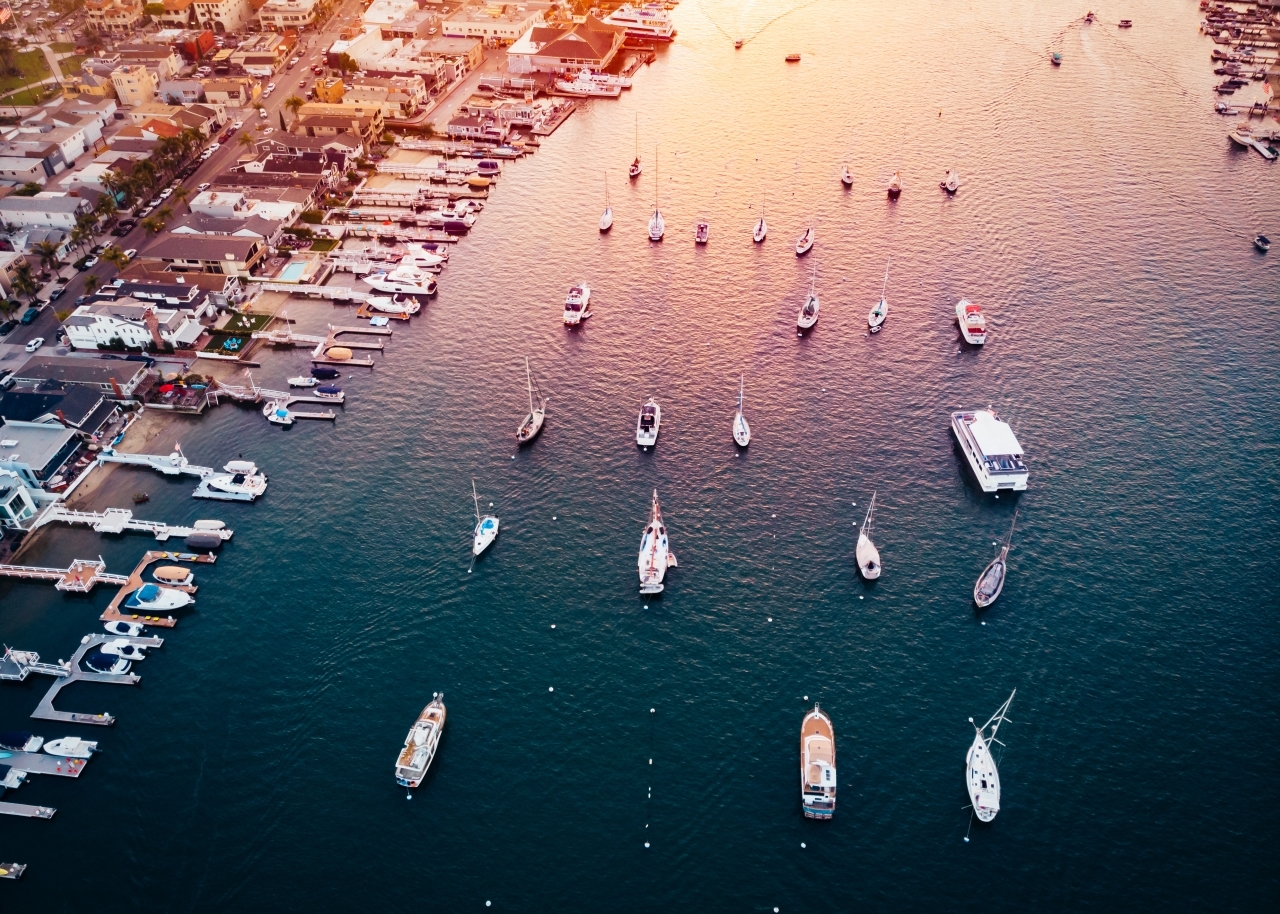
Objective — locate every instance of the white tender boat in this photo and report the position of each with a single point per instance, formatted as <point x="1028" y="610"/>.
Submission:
<point x="648" y="423"/>
<point x="71" y="747"/>
<point x="980" y="768"/>
<point x="804" y="242"/>
<point x="991" y="581"/>
<point x="846" y="177"/>
<point x="152" y="598"/>
<point x="741" y="430"/>
<point x="875" y="319"/>
<point x="388" y="304"/>
<point x="486" y="526"/>
<point x="403" y="279"/>
<point x="817" y="765"/>
<point x="895" y="185"/>
<point x="532" y="423"/>
<point x="868" y="555"/>
<point x="123" y="647"/>
<point x="991" y="449"/>
<point x="951" y="183"/>
<point x="240" y="480"/>
<point x="420" y="745"/>
<point x="655" y="553"/>
<point x="277" y="413"/>
<point x="303" y="381"/>
<point x="576" y="304"/>
<point x="973" y="326"/>
<point x="606" y="218"/>
<point x="808" y="315"/>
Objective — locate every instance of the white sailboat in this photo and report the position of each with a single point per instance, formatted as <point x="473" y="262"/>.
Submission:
<point x="606" y="219"/>
<point x="808" y="315"/>
<point x="762" y="228"/>
<point x="868" y="555"/>
<point x="636" y="167"/>
<point x="991" y="581"/>
<point x="805" y="241"/>
<point x="657" y="226"/>
<point x="980" y="768"/>
<point x="876" y="318"/>
<point x="741" y="430"/>
<point x="655" y="555"/>
<point x="532" y="423"/>
<point x="486" y="526"/>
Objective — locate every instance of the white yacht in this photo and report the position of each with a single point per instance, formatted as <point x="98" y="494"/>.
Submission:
<point x="817" y="765"/>
<point x="605" y="79"/>
<point x="991" y="448"/>
<point x="648" y="423"/>
<point x="868" y="555"/>
<point x="808" y="315"/>
<point x="404" y="279"/>
<point x="152" y="598"/>
<point x="532" y="423"/>
<point x="804" y="242"/>
<point x="71" y="747"/>
<point x="389" y="304"/>
<point x="486" y="526"/>
<point x="576" y="304"/>
<point x="702" y="232"/>
<point x="655" y="555"/>
<point x="239" y="480"/>
<point x="980" y="768"/>
<point x="420" y="745"/>
<point x="303" y="381"/>
<point x="420" y="258"/>
<point x="123" y="647"/>
<point x="741" y="430"/>
<point x="973" y="326"/>
<point x="875" y="319"/>
<point x="583" y="86"/>
<point x="651" y="22"/>
<point x="123" y="627"/>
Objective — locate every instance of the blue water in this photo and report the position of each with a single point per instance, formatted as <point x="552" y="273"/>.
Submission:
<point x="1104" y="225"/>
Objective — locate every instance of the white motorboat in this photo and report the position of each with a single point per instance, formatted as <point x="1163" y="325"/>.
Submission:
<point x="868" y="555"/>
<point x="991" y="581"/>
<point x="303" y="381"/>
<point x="761" y="230"/>
<point x="741" y="430"/>
<point x="576" y="304"/>
<point x="657" y="225"/>
<point x="277" y="413"/>
<point x="655" y="553"/>
<point x="648" y="423"/>
<point x="804" y="242"/>
<point x="239" y="481"/>
<point x="606" y="218"/>
<point x="420" y="258"/>
<point x="107" y="664"/>
<point x="587" y="88"/>
<point x="895" y="186"/>
<point x="173" y="575"/>
<point x="981" y="776"/>
<point x="634" y="171"/>
<point x="951" y="183"/>
<point x="651" y="21"/>
<point x="532" y="423"/>
<point x="875" y="319"/>
<point x="388" y="304"/>
<point x="702" y="232"/>
<point x="991" y="449"/>
<point x="21" y="741"/>
<point x="452" y="214"/>
<point x="808" y="315"/>
<point x="123" y="647"/>
<point x="420" y="745"/>
<point x="123" y="627"/>
<point x="817" y="765"/>
<point x="846" y="177"/>
<point x="486" y="526"/>
<point x="403" y="279"/>
<point x="152" y="598"/>
<point x="71" y="747"/>
<point x="605" y="79"/>
<point x="973" y="326"/>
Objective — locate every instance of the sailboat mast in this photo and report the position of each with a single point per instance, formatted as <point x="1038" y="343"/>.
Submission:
<point x="475" y="498"/>
<point x="529" y="382"/>
<point x="885" y="287"/>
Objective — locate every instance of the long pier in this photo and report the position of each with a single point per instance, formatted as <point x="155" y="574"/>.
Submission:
<point x="79" y="578"/>
<point x="46" y="711"/>
<point x="339" y="293"/>
<point x="174" y="464"/>
<point x="118" y="520"/>
<point x="44" y="763"/>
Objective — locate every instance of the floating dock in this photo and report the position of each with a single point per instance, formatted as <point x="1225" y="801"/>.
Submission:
<point x="43" y="763"/>
<point x="81" y="577"/>
<point x="29" y="812"/>
<point x="14" y="870"/>
<point x="134" y="581"/>
<point x="118" y="520"/>
<point x="46" y="711"/>
<point x="16" y="666"/>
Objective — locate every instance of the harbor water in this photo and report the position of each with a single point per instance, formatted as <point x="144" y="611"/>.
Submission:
<point x="608" y="752"/>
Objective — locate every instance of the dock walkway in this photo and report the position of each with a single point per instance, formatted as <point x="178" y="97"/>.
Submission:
<point x="118" y="520"/>
<point x="79" y="578"/>
<point x="16" y="666"/>
<point x="174" y="464"/>
<point x="43" y="763"/>
<point x="46" y="711"/>
<point x="30" y="812"/>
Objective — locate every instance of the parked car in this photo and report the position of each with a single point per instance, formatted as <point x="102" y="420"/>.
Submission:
<point x="237" y="125"/>
<point x="35" y="344"/>
<point x="123" y="228"/>
<point x="131" y="253"/>
<point x="147" y="212"/>
<point x="30" y="314"/>
<point x="202" y="187"/>
<point x="166" y="194"/>
<point x="156" y="202"/>
<point x="262" y="112"/>
<point x="7" y="327"/>
<point x="214" y="147"/>
<point x="91" y="262"/>
<point x="56" y="293"/>
<point x="271" y="87"/>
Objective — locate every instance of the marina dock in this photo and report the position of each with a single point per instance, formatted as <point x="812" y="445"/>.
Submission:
<point x="118" y="520"/>
<point x="81" y="577"/>
<point x="15" y="870"/>
<point x="174" y="464"/>
<point x="16" y="666"/>
<point x="43" y="763"/>
<point x="46" y="711"/>
<point x="135" y="580"/>
<point x="29" y="812"/>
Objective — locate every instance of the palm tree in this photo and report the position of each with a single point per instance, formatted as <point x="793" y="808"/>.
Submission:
<point x="92" y="283"/>
<point x="245" y="140"/>
<point x="116" y="257"/>
<point x="48" y="253"/>
<point x="293" y="103"/>
<point x="24" y="283"/>
<point x="180" y="194"/>
<point x="152" y="224"/>
<point x="106" y="207"/>
<point x="79" y="236"/>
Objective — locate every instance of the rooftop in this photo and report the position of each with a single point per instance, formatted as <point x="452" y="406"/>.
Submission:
<point x="78" y="371"/>
<point x="33" y="445"/>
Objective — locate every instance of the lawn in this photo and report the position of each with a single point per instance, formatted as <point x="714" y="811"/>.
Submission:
<point x="324" y="244"/>
<point x="235" y="337"/>
<point x="34" y="69"/>
<point x="63" y="47"/>
<point x="70" y="66"/>
<point x="33" y="96"/>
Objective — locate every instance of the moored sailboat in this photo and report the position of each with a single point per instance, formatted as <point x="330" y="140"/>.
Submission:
<point x="741" y="430"/>
<point x="655" y="555"/>
<point x="805" y="241"/>
<point x="606" y="218"/>
<point x="895" y="186"/>
<point x="875" y="319"/>
<point x="817" y="765"/>
<point x="951" y="183"/>
<point x="808" y="315"/>
<point x="486" y="526"/>
<point x="636" y="167"/>
<point x="991" y="581"/>
<point x="981" y="776"/>
<point x="867" y="553"/>
<point x="846" y="177"/>
<point x="657" y="225"/>
<point x="532" y="423"/>
<point x="761" y="230"/>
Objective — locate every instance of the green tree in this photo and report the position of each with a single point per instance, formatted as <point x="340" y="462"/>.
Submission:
<point x="24" y="281"/>
<point x="246" y="141"/>
<point x="347" y="64"/>
<point x="47" y="251"/>
<point x="106" y="207"/>
<point x="180" y="194"/>
<point x="91" y="284"/>
<point x="293" y="103"/>
<point x="30" y="189"/>
<point x="116" y="257"/>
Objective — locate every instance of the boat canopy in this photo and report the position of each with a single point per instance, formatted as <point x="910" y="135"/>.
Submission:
<point x="97" y="660"/>
<point x="147" y="592"/>
<point x="14" y="739"/>
<point x="994" y="437"/>
<point x="172" y="573"/>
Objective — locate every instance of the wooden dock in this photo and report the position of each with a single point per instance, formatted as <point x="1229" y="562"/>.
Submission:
<point x="135" y="580"/>
<point x="118" y="520"/>
<point x="46" y="711"/>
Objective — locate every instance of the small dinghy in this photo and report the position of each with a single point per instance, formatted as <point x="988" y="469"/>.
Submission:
<point x="804" y="242"/>
<point x="1056" y="59"/>
<point x="277" y="413"/>
<point x="846" y="177"/>
<point x="951" y="183"/>
<point x="980" y="768"/>
<point x="655" y="554"/>
<point x="868" y="555"/>
<point x="762" y="228"/>
<point x="737" y="44"/>
<point x="486" y="526"/>
<point x="1262" y="243"/>
<point x="325" y="374"/>
<point x="702" y="232"/>
<point x="991" y="581"/>
<point x="875" y="319"/>
<point x="895" y="186"/>
<point x="71" y="747"/>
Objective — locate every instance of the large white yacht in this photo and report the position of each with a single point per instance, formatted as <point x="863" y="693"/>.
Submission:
<point x="650" y="21"/>
<point x="152" y="598"/>
<point x="980" y="768"/>
<point x="404" y="279"/>
<point x="655" y="554"/>
<point x="420" y="258"/>
<point x="240" y="480"/>
<point x="420" y="745"/>
<point x="648" y="423"/>
<point x="817" y="765"/>
<point x="993" y="451"/>
<point x="973" y="326"/>
<point x="575" y="304"/>
<point x="583" y="86"/>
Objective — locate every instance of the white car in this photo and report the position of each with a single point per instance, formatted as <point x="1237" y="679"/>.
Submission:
<point x="262" y="112"/>
<point x="268" y="130"/>
<point x="166" y="193"/>
<point x="214" y="147"/>
<point x="131" y="253"/>
<point x="237" y="125"/>
<point x="35" y="344"/>
<point x="271" y="87"/>
<point x="201" y="188"/>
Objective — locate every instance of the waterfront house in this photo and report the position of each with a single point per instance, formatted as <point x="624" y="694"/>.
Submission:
<point x="465" y="127"/>
<point x="136" y="324"/>
<point x="118" y="379"/>
<point x="17" y="503"/>
<point x="35" y="452"/>
<point x="227" y="254"/>
<point x="83" y="408"/>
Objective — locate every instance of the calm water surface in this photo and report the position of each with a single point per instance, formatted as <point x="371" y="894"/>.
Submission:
<point x="1104" y="224"/>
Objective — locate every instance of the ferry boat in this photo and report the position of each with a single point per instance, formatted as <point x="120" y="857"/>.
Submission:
<point x="804" y="242"/>
<point x="981" y="776"/>
<point x="991" y="448"/>
<point x="655" y="555"/>
<point x="239" y="480"/>
<point x="650" y="21"/>
<point x="575" y="304"/>
<point x="171" y="575"/>
<point x="817" y="765"/>
<point x="303" y="381"/>
<point x="152" y="598"/>
<point x="486" y="526"/>
<point x="648" y="423"/>
<point x="404" y="279"/>
<point x="420" y="745"/>
<point x="587" y="87"/>
<point x="973" y="326"/>
<point x="71" y="747"/>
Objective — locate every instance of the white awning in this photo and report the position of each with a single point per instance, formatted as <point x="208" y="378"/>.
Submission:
<point x="994" y="438"/>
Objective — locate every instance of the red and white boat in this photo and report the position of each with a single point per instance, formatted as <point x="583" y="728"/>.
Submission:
<point x="973" y="326"/>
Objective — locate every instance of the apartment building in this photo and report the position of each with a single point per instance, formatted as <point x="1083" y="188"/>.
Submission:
<point x="278" y="15"/>
<point x="118" y="17"/>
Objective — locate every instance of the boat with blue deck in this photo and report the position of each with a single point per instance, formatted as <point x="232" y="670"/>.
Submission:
<point x="152" y="598"/>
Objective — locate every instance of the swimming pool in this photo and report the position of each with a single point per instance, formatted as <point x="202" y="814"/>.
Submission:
<point x="293" y="272"/>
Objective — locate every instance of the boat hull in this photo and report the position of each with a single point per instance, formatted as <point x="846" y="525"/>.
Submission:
<point x="531" y="428"/>
<point x="982" y="780"/>
<point x="990" y="583"/>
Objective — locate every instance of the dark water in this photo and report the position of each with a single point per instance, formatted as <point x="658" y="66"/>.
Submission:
<point x="1104" y="224"/>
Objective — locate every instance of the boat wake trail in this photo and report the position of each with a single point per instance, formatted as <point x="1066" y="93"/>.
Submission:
<point x="759" y="29"/>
